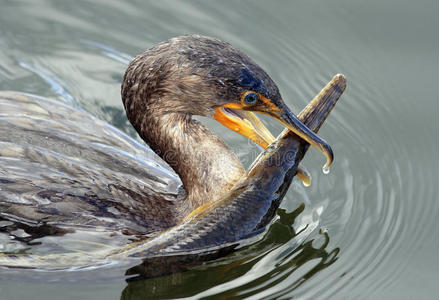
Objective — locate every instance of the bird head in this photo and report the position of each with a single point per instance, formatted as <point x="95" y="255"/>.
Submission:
<point x="209" y="77"/>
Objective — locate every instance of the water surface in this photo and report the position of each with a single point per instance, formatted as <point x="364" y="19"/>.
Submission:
<point x="367" y="230"/>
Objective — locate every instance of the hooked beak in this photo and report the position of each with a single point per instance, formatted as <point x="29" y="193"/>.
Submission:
<point x="247" y="124"/>
<point x="239" y="119"/>
<point x="289" y="120"/>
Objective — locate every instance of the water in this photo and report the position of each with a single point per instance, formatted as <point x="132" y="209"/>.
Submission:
<point x="367" y="230"/>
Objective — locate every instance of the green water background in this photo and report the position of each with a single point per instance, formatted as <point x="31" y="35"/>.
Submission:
<point x="379" y="204"/>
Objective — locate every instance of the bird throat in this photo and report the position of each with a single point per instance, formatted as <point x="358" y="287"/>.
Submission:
<point x="206" y="165"/>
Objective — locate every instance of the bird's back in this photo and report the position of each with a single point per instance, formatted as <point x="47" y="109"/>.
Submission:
<point x="62" y="169"/>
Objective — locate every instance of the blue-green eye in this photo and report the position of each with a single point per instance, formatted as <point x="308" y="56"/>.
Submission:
<point x="251" y="98"/>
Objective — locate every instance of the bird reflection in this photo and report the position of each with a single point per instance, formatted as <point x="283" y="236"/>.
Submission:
<point x="298" y="263"/>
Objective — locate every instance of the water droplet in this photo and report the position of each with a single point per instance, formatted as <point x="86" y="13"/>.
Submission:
<point x="325" y="170"/>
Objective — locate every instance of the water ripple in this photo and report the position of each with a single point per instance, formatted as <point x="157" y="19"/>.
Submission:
<point x="55" y="83"/>
<point x="353" y="232"/>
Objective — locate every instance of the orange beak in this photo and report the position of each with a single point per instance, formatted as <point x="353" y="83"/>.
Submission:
<point x="239" y="118"/>
<point x="245" y="123"/>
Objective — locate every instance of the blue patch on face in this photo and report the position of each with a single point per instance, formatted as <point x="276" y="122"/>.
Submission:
<point x="248" y="80"/>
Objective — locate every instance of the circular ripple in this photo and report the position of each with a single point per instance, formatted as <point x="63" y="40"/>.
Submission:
<point x="353" y="231"/>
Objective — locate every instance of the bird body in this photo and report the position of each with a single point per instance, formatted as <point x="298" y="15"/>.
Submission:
<point x="62" y="167"/>
<point x="62" y="170"/>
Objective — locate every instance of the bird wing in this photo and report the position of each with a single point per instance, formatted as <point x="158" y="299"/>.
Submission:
<point x="61" y="166"/>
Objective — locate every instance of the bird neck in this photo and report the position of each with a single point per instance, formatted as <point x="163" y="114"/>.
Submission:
<point x="206" y="165"/>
